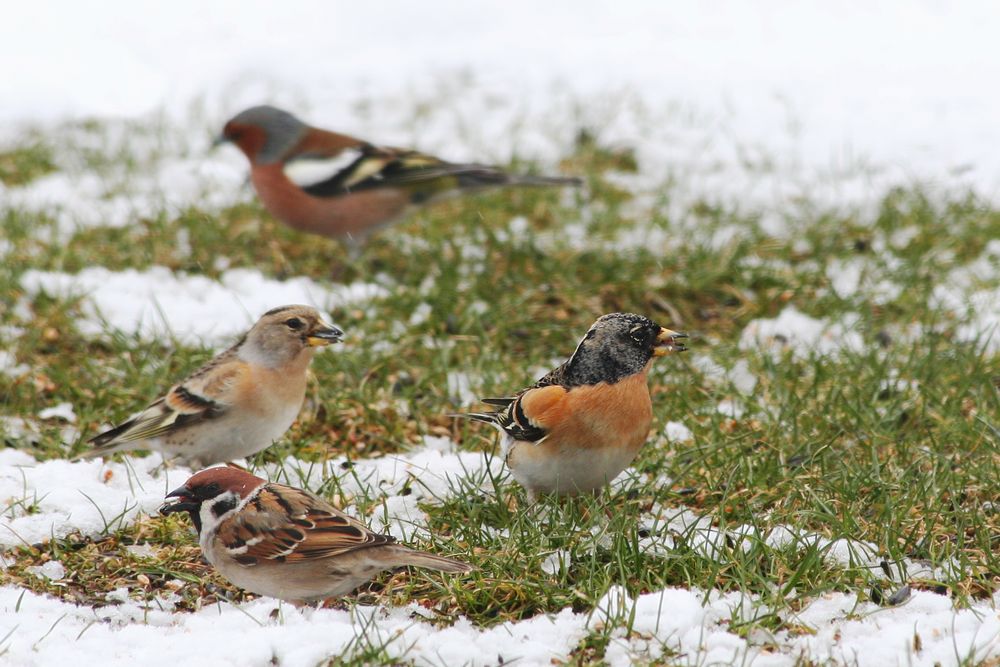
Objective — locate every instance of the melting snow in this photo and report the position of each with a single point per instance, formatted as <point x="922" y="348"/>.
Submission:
<point x="62" y="411"/>
<point x="677" y="432"/>
<point x="800" y="334"/>
<point x="193" y="309"/>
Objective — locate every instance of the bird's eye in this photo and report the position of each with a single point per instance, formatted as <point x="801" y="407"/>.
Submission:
<point x="636" y="334"/>
<point x="294" y="323"/>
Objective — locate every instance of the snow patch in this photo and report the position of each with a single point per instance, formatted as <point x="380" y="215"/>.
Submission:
<point x="730" y="408"/>
<point x="556" y="562"/>
<point x="802" y="335"/>
<point x="52" y="569"/>
<point x="9" y="365"/>
<point x="193" y="309"/>
<point x="463" y="389"/>
<point x="62" y="411"/>
<point x="677" y="432"/>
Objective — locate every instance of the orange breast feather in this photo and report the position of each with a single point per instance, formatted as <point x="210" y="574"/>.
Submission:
<point x="602" y="415"/>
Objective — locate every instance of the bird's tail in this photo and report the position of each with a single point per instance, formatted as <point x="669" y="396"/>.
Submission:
<point x="407" y="556"/>
<point x="107" y="442"/>
<point x="485" y="417"/>
<point x="544" y="181"/>
<point x="489" y="177"/>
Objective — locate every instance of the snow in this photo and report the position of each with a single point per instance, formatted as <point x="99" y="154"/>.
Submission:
<point x="421" y="314"/>
<point x="131" y="633"/>
<point x="801" y="335"/>
<point x="53" y="569"/>
<point x="730" y="408"/>
<point x="463" y="389"/>
<point x="193" y="309"/>
<point x="18" y="428"/>
<point x="62" y="411"/>
<point x="66" y="497"/>
<point x="677" y="432"/>
<point x="78" y="197"/>
<point x="9" y="365"/>
<point x="971" y="293"/>
<point x="858" y="277"/>
<point x="742" y="377"/>
<point x="87" y="496"/>
<point x="693" y="623"/>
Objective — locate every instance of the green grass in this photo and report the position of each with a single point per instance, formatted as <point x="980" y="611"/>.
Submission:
<point x="824" y="447"/>
<point x="24" y="163"/>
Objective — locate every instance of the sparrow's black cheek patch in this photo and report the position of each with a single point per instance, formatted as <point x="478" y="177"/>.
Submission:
<point x="221" y="507"/>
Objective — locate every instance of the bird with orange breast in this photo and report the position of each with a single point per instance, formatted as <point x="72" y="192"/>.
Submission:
<point x="580" y="425"/>
<point x="370" y="186"/>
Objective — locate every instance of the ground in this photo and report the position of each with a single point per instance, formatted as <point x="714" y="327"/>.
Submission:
<point x="821" y="484"/>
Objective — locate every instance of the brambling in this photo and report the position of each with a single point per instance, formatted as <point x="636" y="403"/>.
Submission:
<point x="284" y="542"/>
<point x="371" y="187"/>
<point x="580" y="425"/>
<point x="238" y="403"/>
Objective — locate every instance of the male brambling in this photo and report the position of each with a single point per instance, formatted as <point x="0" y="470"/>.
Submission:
<point x="284" y="542"/>
<point x="376" y="186"/>
<point x="238" y="403"/>
<point x="580" y="425"/>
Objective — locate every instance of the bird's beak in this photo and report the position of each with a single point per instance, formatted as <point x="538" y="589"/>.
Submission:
<point x="324" y="335"/>
<point x="184" y="502"/>
<point x="667" y="341"/>
<point x="219" y="140"/>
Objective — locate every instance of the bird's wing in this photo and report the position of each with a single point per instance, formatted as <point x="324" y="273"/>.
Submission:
<point x="206" y="394"/>
<point x="286" y="524"/>
<point x="527" y="417"/>
<point x="309" y="169"/>
<point x="426" y="175"/>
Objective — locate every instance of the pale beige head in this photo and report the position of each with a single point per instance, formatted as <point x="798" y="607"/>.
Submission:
<point x="282" y="334"/>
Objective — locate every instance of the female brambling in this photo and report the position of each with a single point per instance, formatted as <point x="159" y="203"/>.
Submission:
<point x="376" y="186"/>
<point x="575" y="429"/>
<point x="284" y="542"/>
<point x="238" y="403"/>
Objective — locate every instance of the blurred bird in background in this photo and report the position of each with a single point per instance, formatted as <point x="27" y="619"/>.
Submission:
<point x="367" y="187"/>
